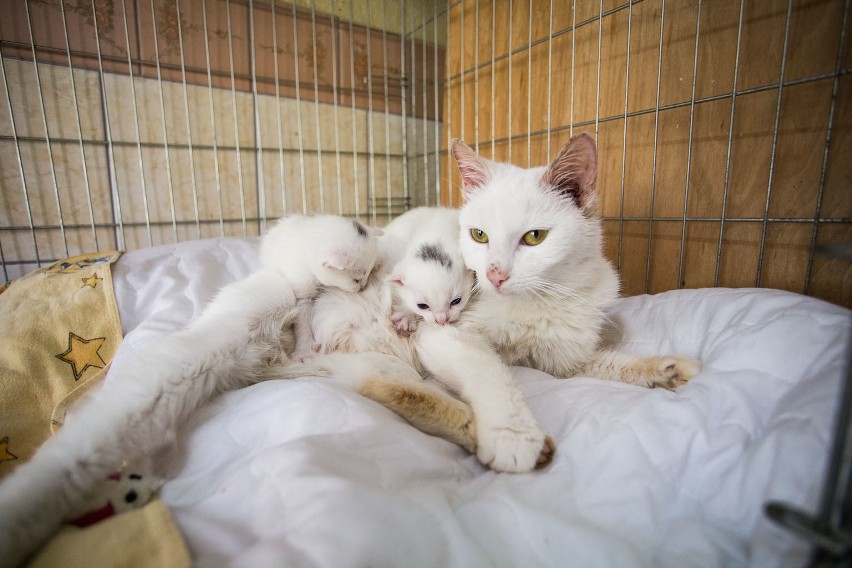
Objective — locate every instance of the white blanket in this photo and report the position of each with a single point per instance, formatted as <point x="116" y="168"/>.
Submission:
<point x="308" y="473"/>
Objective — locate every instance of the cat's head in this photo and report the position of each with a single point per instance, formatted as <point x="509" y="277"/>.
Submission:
<point x="346" y="255"/>
<point x="432" y="284"/>
<point x="333" y="250"/>
<point x="522" y="230"/>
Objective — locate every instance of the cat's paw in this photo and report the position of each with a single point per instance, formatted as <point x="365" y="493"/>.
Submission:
<point x="545" y="456"/>
<point x="670" y="372"/>
<point x="513" y="449"/>
<point x="405" y="323"/>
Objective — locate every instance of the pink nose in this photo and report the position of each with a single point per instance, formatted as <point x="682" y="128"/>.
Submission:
<point x="497" y="276"/>
<point x="441" y="318"/>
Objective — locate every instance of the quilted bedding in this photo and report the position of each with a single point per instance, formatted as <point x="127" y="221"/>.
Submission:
<point x="308" y="473"/>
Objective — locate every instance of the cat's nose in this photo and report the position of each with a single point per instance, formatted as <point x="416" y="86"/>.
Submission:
<point x="497" y="276"/>
<point x="441" y="318"/>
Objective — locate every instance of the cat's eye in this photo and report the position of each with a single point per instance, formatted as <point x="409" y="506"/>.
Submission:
<point x="423" y="306"/>
<point x="534" y="237"/>
<point x="456" y="302"/>
<point x="478" y="235"/>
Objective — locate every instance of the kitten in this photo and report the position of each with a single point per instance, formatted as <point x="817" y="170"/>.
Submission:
<point x="431" y="281"/>
<point x="536" y="246"/>
<point x="156" y="388"/>
<point x="338" y="267"/>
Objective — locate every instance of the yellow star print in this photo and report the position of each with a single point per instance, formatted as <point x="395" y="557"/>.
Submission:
<point x="82" y="354"/>
<point x="91" y="281"/>
<point x="5" y="454"/>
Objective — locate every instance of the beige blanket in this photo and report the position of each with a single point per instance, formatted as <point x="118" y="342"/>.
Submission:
<point x="59" y="329"/>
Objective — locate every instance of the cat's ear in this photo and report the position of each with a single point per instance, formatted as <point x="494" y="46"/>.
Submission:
<point x="574" y="171"/>
<point x="474" y="171"/>
<point x="337" y="260"/>
<point x="397" y="275"/>
<point x="366" y="230"/>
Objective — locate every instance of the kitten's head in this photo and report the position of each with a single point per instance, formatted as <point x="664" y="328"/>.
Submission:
<point x="335" y="251"/>
<point x="346" y="255"/>
<point x="432" y="284"/>
<point x="522" y="230"/>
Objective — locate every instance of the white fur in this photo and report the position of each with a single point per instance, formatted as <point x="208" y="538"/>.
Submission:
<point x="549" y="313"/>
<point x="243" y="329"/>
<point x="549" y="308"/>
<point x="427" y="289"/>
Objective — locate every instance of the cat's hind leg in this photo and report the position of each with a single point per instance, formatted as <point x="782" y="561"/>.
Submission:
<point x="662" y="371"/>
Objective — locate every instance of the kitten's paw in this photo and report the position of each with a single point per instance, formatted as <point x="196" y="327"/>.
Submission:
<point x="405" y="324"/>
<point x="513" y="449"/>
<point x="672" y="371"/>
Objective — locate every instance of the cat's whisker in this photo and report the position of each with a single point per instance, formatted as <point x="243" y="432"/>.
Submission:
<point x="556" y="290"/>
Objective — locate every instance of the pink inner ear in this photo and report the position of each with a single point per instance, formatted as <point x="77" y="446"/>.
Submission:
<point x="474" y="171"/>
<point x="574" y="171"/>
<point x="337" y="259"/>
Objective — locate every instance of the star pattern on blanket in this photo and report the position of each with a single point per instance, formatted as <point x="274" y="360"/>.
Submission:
<point x="91" y="281"/>
<point x="77" y="263"/>
<point x="5" y="454"/>
<point x="82" y="354"/>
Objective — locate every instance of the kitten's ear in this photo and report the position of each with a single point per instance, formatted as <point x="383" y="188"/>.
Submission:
<point x="574" y="171"/>
<point x="473" y="169"/>
<point x="337" y="260"/>
<point x="366" y="230"/>
<point x="397" y="275"/>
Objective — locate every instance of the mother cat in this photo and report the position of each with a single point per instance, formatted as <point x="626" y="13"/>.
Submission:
<point x="544" y="286"/>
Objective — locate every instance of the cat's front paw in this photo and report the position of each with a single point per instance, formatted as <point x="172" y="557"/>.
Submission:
<point x="514" y="449"/>
<point x="672" y="371"/>
<point x="405" y="323"/>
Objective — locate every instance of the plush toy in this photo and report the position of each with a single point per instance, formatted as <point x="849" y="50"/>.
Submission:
<point x="121" y="492"/>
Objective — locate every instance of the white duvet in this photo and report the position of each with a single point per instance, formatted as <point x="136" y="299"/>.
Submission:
<point x="308" y="473"/>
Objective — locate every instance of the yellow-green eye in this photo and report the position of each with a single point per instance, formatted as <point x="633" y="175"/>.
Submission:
<point x="534" y="237"/>
<point x="478" y="235"/>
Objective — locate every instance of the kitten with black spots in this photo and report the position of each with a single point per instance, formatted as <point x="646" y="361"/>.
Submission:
<point x="431" y="281"/>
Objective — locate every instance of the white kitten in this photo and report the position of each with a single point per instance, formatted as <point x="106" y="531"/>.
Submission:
<point x="431" y="281"/>
<point x="152" y="390"/>
<point x="322" y="257"/>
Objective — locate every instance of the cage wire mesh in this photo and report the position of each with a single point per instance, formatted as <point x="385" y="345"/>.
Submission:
<point x="133" y="123"/>
<point x="723" y="128"/>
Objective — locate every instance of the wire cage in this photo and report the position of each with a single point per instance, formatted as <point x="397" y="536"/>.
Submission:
<point x="128" y="123"/>
<point x="724" y="129"/>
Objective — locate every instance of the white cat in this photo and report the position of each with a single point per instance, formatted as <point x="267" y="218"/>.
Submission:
<point x="545" y="286"/>
<point x="244" y="328"/>
<point x="536" y="246"/>
<point x="431" y="281"/>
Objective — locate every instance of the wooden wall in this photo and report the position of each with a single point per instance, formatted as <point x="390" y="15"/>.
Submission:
<point x="724" y="134"/>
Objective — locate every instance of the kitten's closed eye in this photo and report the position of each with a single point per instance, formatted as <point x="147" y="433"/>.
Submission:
<point x="423" y="306"/>
<point x="456" y="302"/>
